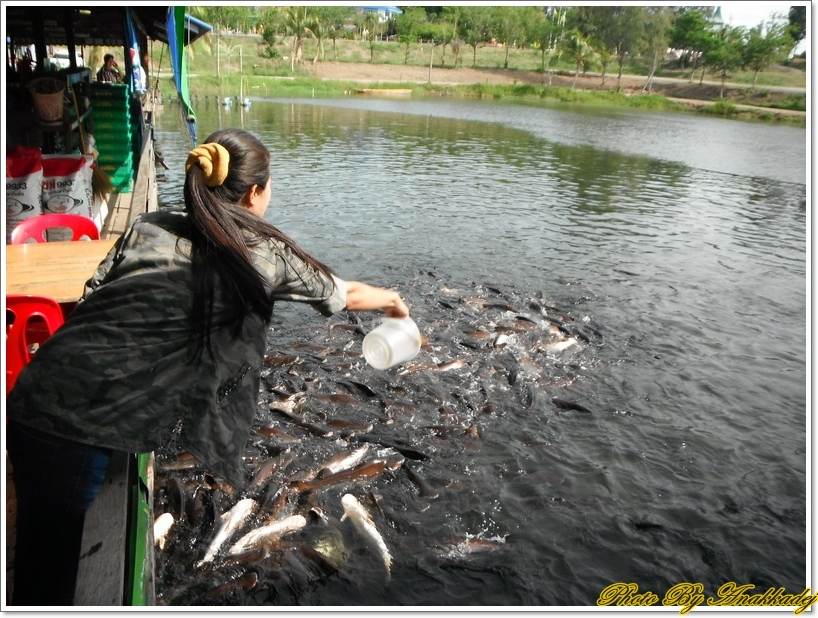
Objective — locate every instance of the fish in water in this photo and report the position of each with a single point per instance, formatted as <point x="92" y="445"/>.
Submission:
<point x="275" y="432"/>
<point x="458" y="363"/>
<point x="523" y="322"/>
<point x="478" y="334"/>
<point x="281" y="360"/>
<point x="369" y="470"/>
<point x="473" y="545"/>
<point x="185" y="461"/>
<point x="366" y="527"/>
<point x="316" y="430"/>
<point x="287" y="406"/>
<point x="247" y="581"/>
<point x="500" y="307"/>
<point x="353" y="328"/>
<point x="396" y="444"/>
<point x="344" y="461"/>
<point x="358" y="388"/>
<point x="564" y="404"/>
<point x="350" y="427"/>
<point x="222" y="486"/>
<point x="231" y="521"/>
<point x="560" y="346"/>
<point x="423" y="486"/>
<point x="502" y="340"/>
<point x="161" y="527"/>
<point x="337" y="398"/>
<point x="248" y="557"/>
<point x="276" y="501"/>
<point x="267" y="534"/>
<point x="268" y="468"/>
<point x="328" y="542"/>
<point x="171" y="496"/>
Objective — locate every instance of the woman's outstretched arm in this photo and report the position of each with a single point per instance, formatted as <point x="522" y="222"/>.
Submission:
<point x="363" y="297"/>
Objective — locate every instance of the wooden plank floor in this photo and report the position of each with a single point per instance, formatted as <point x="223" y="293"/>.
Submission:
<point x="119" y="215"/>
<point x="101" y="571"/>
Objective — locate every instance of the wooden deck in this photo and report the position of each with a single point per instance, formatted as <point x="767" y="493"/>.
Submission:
<point x="124" y="207"/>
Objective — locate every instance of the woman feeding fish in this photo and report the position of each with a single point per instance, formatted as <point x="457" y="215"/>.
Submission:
<point x="168" y="339"/>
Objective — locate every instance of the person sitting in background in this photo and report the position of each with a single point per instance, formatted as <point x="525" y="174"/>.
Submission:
<point x="109" y="71"/>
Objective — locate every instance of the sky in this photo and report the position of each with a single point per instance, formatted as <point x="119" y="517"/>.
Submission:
<point x="750" y="14"/>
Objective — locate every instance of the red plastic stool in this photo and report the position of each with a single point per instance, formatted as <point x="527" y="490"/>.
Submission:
<point x="36" y="227"/>
<point x="25" y="312"/>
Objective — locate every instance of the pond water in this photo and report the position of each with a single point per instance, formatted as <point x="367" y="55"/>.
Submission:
<point x="671" y="247"/>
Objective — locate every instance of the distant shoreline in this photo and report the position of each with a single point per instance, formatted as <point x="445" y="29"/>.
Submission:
<point x="299" y="86"/>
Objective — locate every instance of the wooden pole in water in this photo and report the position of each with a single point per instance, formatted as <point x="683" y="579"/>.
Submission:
<point x="241" y="75"/>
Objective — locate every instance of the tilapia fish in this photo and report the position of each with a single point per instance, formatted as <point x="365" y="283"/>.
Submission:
<point x="366" y="527"/>
<point x="263" y="536"/>
<point x="231" y="521"/>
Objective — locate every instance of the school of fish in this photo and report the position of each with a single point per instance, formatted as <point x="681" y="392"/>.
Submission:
<point x="332" y="436"/>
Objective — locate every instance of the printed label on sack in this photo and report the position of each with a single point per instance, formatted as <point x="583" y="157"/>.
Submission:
<point x="67" y="189"/>
<point x="24" y="187"/>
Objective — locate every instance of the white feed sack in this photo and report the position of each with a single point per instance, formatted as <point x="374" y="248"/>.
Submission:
<point x="67" y="188"/>
<point x="24" y="186"/>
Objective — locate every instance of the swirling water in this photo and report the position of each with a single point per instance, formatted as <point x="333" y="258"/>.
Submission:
<point x="679" y="241"/>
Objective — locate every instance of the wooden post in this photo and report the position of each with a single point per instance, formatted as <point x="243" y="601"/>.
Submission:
<point x="241" y="75"/>
<point x="39" y="38"/>
<point x="68" y="18"/>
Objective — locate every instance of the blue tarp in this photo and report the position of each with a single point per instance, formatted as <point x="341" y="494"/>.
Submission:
<point x="178" y="60"/>
<point x="138" y="79"/>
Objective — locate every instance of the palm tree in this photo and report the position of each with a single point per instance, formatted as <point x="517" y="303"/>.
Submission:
<point x="577" y="47"/>
<point x="296" y="21"/>
<point x="318" y="27"/>
<point x="371" y="24"/>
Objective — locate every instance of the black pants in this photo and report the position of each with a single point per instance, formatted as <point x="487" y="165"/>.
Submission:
<point x="56" y="481"/>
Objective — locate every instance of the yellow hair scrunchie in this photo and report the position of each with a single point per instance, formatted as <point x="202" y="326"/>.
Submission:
<point x="214" y="160"/>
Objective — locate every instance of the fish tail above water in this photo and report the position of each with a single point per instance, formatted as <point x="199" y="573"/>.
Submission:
<point x="366" y="527"/>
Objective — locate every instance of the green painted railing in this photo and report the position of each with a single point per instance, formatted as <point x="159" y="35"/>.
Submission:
<point x="139" y="576"/>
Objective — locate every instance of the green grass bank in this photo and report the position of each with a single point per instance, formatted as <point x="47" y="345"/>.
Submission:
<point x="300" y="86"/>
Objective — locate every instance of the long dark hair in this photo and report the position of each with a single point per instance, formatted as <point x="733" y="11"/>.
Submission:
<point x="222" y="233"/>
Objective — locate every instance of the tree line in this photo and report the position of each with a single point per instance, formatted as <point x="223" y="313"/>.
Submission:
<point x="602" y="37"/>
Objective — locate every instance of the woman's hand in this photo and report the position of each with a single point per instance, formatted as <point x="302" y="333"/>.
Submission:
<point x="398" y="310"/>
<point x="363" y="297"/>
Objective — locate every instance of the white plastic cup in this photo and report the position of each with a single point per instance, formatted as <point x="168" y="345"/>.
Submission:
<point x="394" y="341"/>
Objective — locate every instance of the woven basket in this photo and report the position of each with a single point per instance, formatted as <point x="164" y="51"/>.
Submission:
<point x="47" y="93"/>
